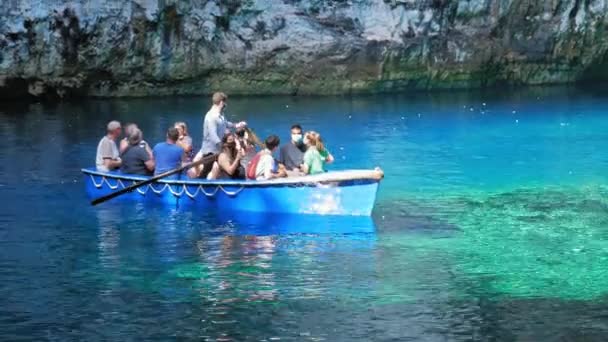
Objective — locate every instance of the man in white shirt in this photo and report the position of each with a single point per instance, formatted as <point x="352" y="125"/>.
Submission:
<point x="107" y="157"/>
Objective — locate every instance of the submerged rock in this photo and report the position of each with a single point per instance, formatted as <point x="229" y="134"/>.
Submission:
<point x="162" y="47"/>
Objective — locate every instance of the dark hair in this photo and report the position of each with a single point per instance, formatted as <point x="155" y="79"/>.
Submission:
<point x="173" y="133"/>
<point x="225" y="137"/>
<point x="240" y="132"/>
<point x="272" y="141"/>
<point x="297" y="126"/>
<point x="225" y="141"/>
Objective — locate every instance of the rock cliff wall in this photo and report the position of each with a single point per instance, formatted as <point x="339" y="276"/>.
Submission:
<point x="161" y="47"/>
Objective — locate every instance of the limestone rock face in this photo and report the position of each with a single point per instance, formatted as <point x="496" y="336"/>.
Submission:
<point x="160" y="47"/>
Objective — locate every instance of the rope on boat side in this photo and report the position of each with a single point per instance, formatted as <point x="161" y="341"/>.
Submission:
<point x="141" y="191"/>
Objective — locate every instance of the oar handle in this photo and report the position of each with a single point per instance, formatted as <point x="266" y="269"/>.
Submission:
<point x="151" y="180"/>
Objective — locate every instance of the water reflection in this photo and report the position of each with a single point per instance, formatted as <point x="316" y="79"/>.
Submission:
<point x="109" y="237"/>
<point x="234" y="265"/>
<point x="468" y="242"/>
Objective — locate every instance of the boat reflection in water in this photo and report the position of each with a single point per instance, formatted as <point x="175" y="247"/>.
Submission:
<point x="246" y="223"/>
<point x="233" y="262"/>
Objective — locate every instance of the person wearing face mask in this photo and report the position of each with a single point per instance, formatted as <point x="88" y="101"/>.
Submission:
<point x="291" y="154"/>
<point x="229" y="160"/>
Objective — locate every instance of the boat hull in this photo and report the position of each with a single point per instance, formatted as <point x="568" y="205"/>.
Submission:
<point x="346" y="193"/>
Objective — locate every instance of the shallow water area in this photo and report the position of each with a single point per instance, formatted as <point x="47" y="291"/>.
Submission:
<point x="490" y="224"/>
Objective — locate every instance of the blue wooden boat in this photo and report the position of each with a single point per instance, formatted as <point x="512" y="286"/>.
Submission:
<point x="351" y="192"/>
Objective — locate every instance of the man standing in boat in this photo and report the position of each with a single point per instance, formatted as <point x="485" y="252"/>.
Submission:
<point x="214" y="127"/>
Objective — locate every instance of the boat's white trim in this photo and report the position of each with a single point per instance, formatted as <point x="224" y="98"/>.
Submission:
<point x="184" y="187"/>
<point x="327" y="177"/>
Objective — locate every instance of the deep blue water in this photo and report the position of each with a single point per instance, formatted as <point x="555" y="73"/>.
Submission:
<point x="491" y="224"/>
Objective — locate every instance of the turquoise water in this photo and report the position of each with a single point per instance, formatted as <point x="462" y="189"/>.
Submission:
<point x="490" y="225"/>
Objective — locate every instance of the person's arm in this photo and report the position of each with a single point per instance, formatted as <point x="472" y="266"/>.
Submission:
<point x="107" y="154"/>
<point x="230" y="124"/>
<point x="327" y="157"/>
<point x="148" y="161"/>
<point x="185" y="144"/>
<point x="224" y="163"/>
<point x="112" y="163"/>
<point x="305" y="163"/>
<point x="124" y="143"/>
<point x="149" y="150"/>
<point x="150" y="164"/>
<point x="280" y="172"/>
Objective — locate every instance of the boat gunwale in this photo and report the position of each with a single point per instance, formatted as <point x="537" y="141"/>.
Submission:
<point x="374" y="176"/>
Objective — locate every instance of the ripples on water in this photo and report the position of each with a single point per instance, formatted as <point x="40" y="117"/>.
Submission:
<point x="490" y="225"/>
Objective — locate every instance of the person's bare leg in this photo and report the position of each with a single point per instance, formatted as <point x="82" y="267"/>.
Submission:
<point x="215" y="171"/>
<point x="195" y="172"/>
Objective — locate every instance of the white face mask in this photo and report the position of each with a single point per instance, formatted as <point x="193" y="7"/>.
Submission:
<point x="296" y="138"/>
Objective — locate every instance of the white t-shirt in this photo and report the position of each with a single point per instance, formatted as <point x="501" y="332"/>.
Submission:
<point x="106" y="149"/>
<point x="265" y="165"/>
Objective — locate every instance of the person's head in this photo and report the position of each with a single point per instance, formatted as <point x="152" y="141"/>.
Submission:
<point x="296" y="134"/>
<point x="129" y="128"/>
<point x="135" y="136"/>
<point x="229" y="142"/>
<point x="114" y="129"/>
<point x="313" y="138"/>
<point x="181" y="128"/>
<point x="272" y="142"/>
<point x="172" y="134"/>
<point x="219" y="99"/>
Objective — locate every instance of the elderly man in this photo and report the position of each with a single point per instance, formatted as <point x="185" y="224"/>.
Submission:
<point x="107" y="158"/>
<point x="214" y="127"/>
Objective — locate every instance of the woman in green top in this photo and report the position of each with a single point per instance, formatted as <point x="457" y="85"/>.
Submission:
<point x="316" y="155"/>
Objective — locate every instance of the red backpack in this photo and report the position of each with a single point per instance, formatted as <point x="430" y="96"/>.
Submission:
<point x="253" y="165"/>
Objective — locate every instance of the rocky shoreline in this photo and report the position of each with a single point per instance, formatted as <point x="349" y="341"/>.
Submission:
<point x="118" y="48"/>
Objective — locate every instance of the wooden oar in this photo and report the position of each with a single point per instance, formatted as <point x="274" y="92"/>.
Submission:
<point x="151" y="180"/>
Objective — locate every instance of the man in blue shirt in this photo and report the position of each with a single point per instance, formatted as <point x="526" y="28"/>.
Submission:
<point x="168" y="155"/>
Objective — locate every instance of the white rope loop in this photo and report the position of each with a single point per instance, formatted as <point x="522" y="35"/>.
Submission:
<point x="177" y="193"/>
